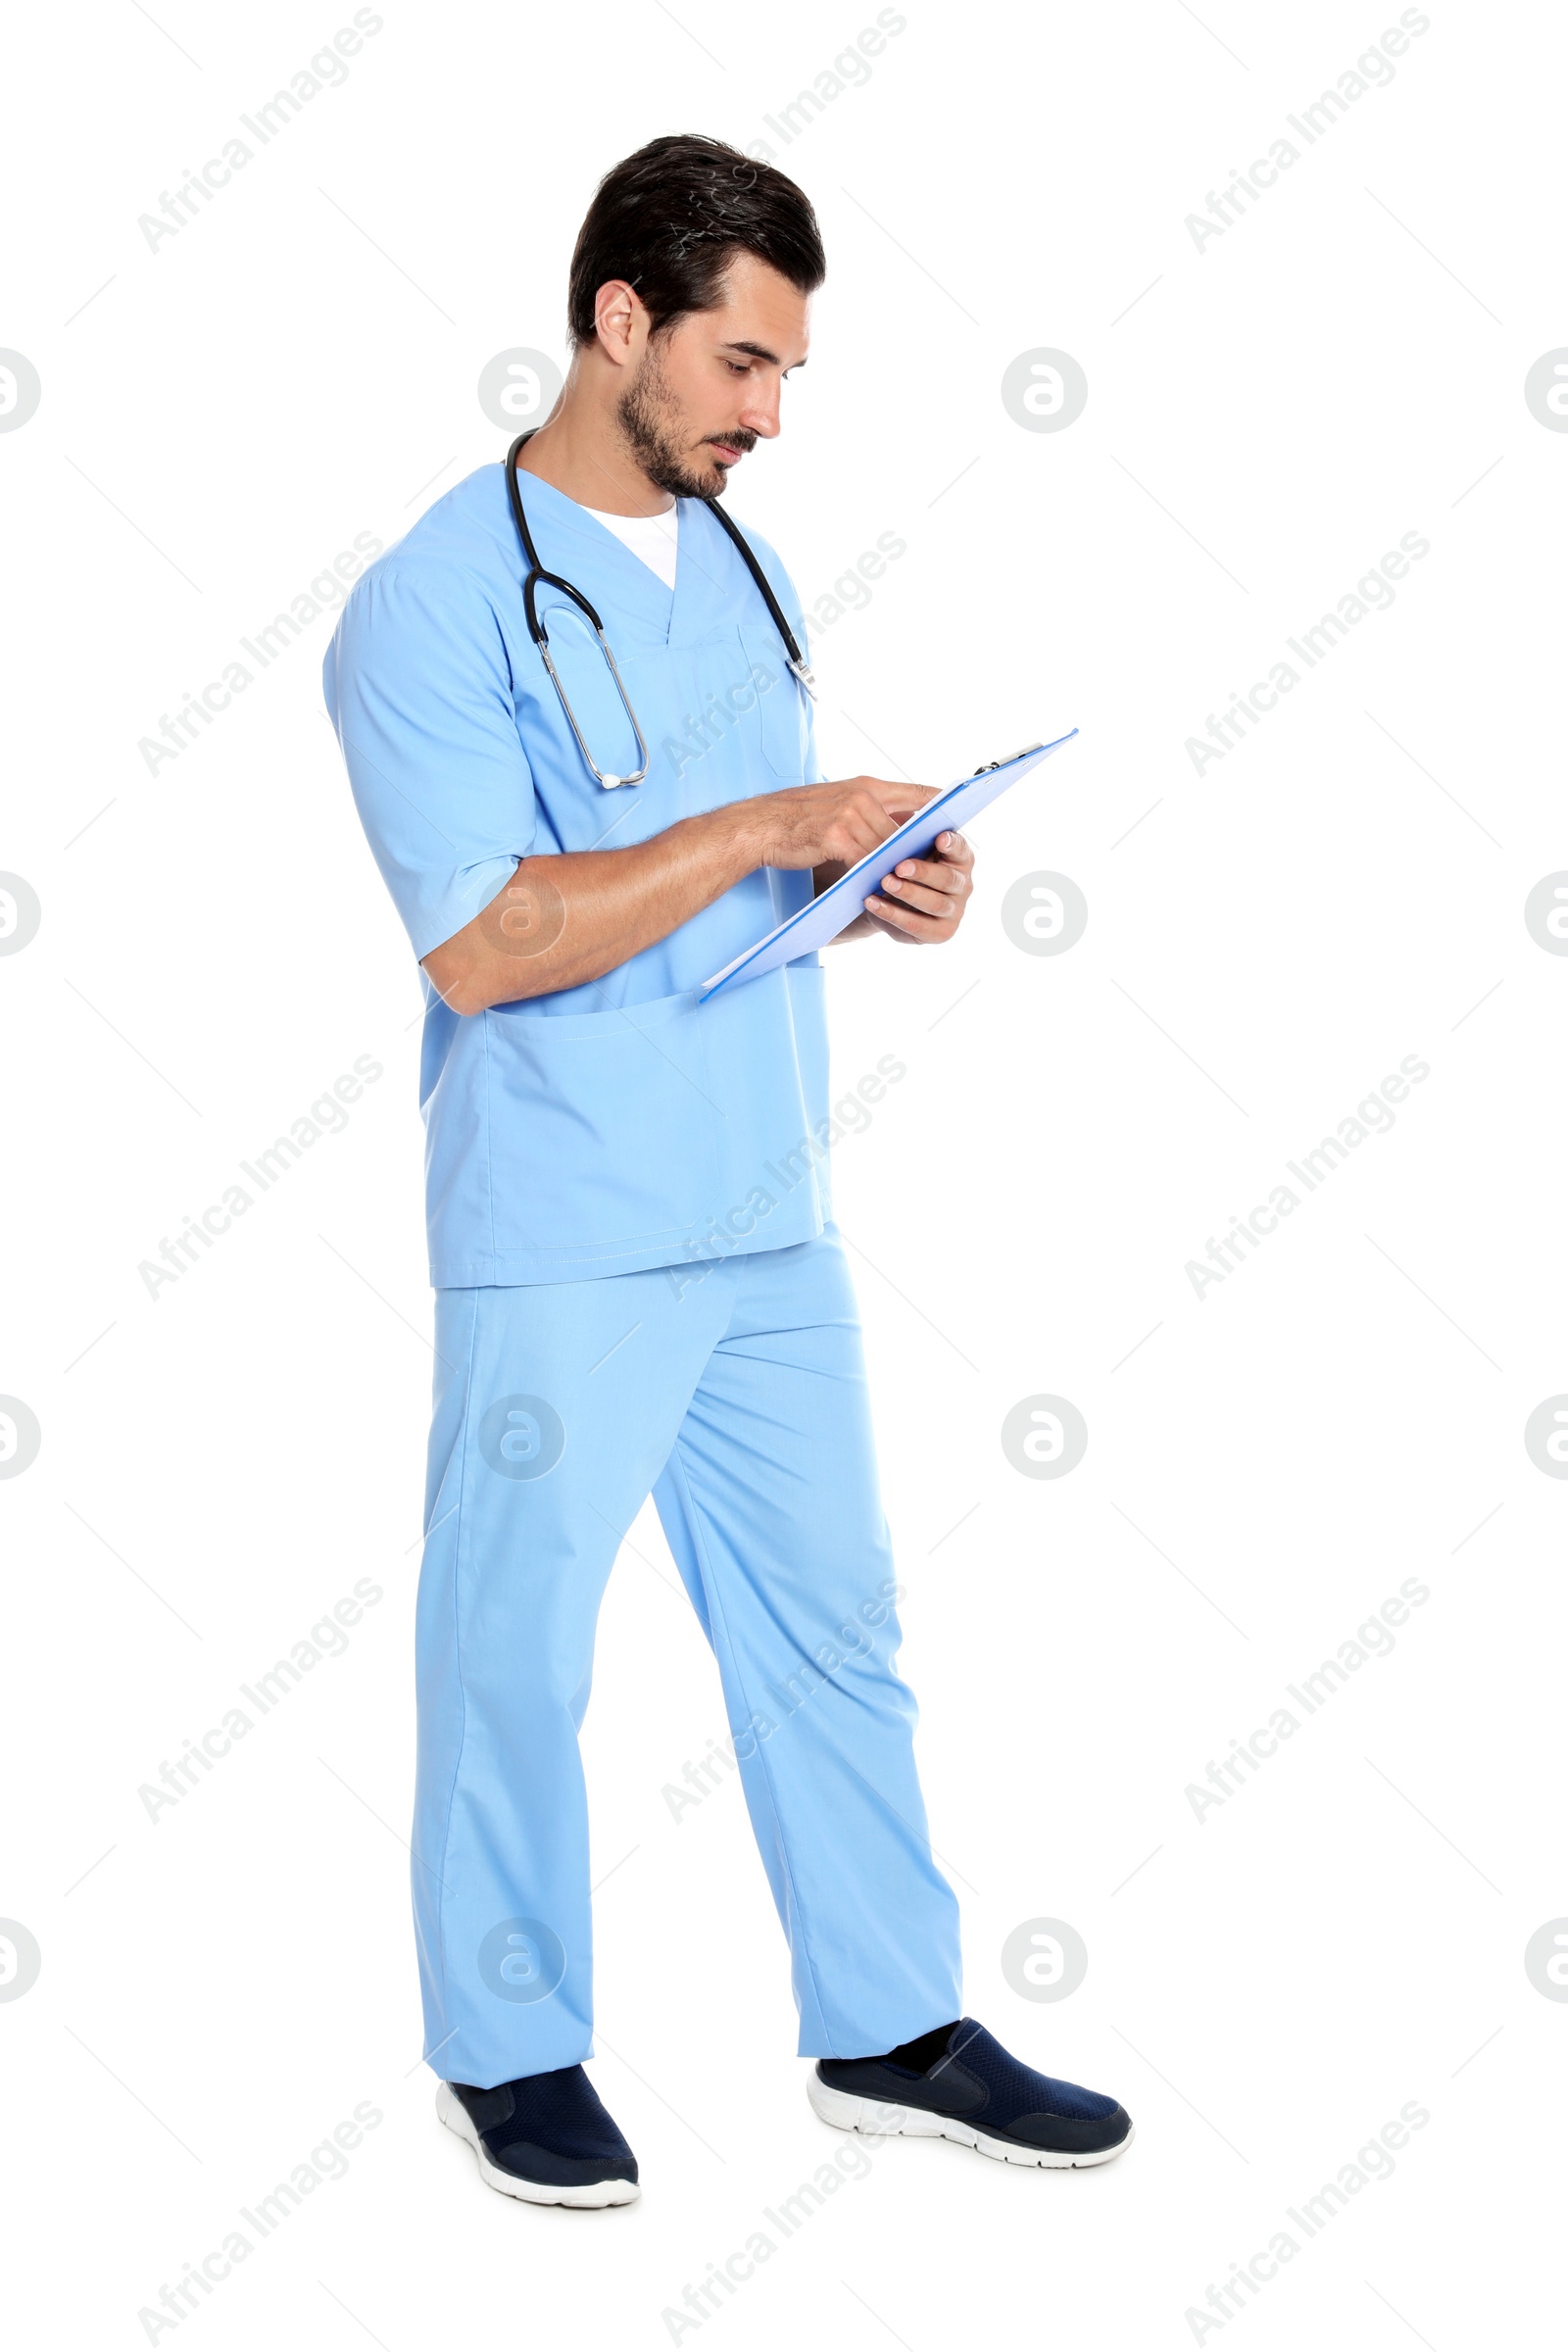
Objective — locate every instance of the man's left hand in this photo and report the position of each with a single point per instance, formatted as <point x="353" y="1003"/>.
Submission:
<point x="923" y="897"/>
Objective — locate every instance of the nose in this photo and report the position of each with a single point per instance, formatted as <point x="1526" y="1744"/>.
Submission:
<point x="761" y="415"/>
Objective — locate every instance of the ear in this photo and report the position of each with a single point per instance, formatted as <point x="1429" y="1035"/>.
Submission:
<point x="620" y="321"/>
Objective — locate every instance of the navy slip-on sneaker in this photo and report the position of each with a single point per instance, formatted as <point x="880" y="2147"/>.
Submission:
<point x="974" y="2092"/>
<point x="548" y="2139"/>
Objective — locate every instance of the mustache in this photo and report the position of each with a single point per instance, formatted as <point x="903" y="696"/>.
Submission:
<point x="739" y="439"/>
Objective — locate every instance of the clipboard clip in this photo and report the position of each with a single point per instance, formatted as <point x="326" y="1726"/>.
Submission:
<point x="991" y="764"/>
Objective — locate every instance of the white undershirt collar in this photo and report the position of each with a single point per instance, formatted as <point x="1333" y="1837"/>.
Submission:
<point x="654" y="537"/>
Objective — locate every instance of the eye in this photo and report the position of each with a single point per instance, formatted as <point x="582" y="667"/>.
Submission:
<point x="738" y="366"/>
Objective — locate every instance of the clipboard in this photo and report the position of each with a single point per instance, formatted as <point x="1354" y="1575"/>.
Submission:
<point x="836" y="907"/>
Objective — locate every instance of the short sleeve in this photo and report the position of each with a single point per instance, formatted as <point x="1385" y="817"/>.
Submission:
<point x="419" y="686"/>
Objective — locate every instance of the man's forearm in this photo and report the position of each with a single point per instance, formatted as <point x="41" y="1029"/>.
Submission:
<point x="568" y="918"/>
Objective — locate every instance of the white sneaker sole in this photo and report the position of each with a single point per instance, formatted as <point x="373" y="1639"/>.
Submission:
<point x="455" y="2117"/>
<point x="848" y="2113"/>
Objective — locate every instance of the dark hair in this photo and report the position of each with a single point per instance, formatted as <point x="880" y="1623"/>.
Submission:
<point x="670" y="219"/>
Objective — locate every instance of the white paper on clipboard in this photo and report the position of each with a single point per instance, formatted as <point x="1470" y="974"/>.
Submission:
<point x="836" y="907"/>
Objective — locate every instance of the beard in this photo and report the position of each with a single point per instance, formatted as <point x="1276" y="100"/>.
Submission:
<point x="654" y="429"/>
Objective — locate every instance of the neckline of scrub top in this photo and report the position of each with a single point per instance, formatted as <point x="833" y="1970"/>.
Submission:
<point x="650" y="537"/>
<point x="667" y="611"/>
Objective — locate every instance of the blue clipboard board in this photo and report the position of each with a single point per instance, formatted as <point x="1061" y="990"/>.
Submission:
<point x="837" y="906"/>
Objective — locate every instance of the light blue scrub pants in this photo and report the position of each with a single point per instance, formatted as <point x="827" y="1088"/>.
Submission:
<point x="736" y="1393"/>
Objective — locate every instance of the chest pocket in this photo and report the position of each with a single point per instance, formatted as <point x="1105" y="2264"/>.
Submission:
<point x="590" y="689"/>
<point x="779" y="714"/>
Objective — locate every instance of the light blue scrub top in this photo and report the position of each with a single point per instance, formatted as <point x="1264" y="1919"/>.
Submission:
<point x="618" y="1125"/>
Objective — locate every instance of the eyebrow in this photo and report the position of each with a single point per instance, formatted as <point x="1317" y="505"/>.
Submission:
<point x="759" y="351"/>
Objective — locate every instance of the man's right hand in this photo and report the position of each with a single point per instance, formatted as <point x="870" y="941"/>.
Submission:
<point x="827" y="824"/>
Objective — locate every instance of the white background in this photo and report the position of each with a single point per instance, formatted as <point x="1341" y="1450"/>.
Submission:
<point x="1266" y="1986"/>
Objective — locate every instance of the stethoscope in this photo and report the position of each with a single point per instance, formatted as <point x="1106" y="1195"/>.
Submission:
<point x="536" y="628"/>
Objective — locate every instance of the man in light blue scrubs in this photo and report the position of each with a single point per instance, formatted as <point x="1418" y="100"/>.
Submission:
<point x="639" y="1284"/>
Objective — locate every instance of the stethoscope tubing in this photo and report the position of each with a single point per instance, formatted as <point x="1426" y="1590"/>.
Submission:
<point x="537" y="575"/>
